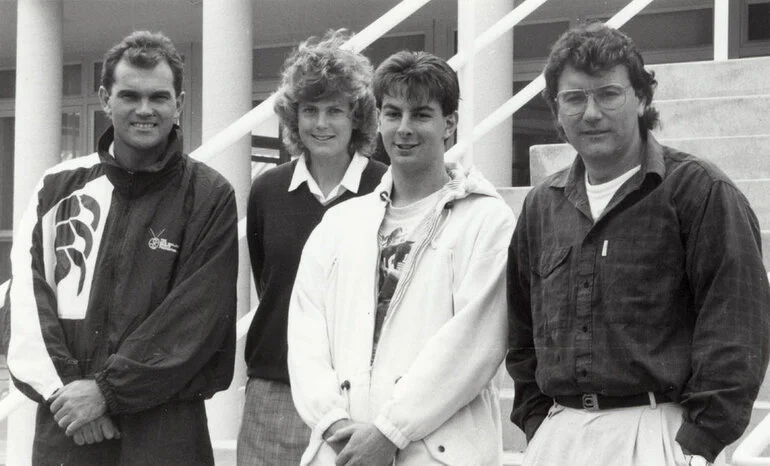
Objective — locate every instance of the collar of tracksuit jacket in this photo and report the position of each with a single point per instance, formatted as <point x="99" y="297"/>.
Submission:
<point x="136" y="183"/>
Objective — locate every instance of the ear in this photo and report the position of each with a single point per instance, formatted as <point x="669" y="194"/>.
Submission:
<point x="641" y="105"/>
<point x="104" y="99"/>
<point x="451" y="125"/>
<point x="179" y="104"/>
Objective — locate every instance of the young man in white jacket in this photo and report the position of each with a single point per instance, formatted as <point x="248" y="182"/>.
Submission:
<point x="397" y="321"/>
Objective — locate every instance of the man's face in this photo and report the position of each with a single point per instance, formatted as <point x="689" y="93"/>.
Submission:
<point x="325" y="126"/>
<point x="600" y="134"/>
<point x="413" y="133"/>
<point x="143" y="107"/>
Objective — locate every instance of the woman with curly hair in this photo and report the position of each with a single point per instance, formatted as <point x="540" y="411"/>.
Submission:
<point x="327" y="109"/>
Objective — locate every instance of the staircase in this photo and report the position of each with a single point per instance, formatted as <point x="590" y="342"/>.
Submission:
<point x="719" y="111"/>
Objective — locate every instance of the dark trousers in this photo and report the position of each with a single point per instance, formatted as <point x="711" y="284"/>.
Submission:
<point x="174" y="433"/>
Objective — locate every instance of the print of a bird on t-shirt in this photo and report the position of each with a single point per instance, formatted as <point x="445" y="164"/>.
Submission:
<point x="395" y="248"/>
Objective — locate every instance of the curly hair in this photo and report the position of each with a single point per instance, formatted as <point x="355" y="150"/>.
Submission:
<point x="319" y="70"/>
<point x="143" y="49"/>
<point x="421" y="76"/>
<point x="594" y="48"/>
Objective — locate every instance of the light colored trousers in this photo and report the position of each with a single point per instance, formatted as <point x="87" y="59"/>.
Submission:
<point x="638" y="436"/>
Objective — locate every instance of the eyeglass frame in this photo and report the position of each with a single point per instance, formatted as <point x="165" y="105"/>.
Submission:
<point x="592" y="92"/>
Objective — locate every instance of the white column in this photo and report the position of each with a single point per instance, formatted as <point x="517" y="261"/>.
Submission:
<point x="721" y="29"/>
<point x="466" y="35"/>
<point x="226" y="62"/>
<point x="38" y="96"/>
<point x="37" y="141"/>
<point x="493" y="85"/>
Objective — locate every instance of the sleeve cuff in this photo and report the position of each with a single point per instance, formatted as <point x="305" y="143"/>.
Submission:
<point x="328" y="419"/>
<point x="107" y="392"/>
<point x="532" y="424"/>
<point x="698" y="442"/>
<point x="391" y="432"/>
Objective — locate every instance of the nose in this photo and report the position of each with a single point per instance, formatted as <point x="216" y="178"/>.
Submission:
<point x="592" y="111"/>
<point x="144" y="107"/>
<point x="322" y="120"/>
<point x="403" y="126"/>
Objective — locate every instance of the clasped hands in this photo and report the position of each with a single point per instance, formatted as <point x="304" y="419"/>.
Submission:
<point x="80" y="409"/>
<point x="359" y="443"/>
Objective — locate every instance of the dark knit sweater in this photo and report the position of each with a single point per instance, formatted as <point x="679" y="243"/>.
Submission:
<point x="279" y="222"/>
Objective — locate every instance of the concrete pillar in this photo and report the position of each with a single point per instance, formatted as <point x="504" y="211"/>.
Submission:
<point x="39" y="69"/>
<point x="37" y="147"/>
<point x="493" y="85"/>
<point x="226" y="62"/>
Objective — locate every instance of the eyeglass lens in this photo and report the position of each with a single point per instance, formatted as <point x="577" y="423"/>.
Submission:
<point x="575" y="101"/>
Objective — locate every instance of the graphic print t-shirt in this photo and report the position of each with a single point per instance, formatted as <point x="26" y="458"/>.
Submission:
<point x="400" y="230"/>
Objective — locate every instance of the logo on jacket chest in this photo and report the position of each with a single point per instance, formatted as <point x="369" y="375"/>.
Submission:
<point x="77" y="219"/>
<point x="158" y="242"/>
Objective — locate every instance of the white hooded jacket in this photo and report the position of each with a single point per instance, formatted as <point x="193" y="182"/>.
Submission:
<point x="431" y="387"/>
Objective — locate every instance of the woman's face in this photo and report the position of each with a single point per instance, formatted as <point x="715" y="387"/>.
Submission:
<point x="325" y="126"/>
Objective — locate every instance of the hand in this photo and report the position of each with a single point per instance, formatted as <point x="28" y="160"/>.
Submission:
<point x="96" y="431"/>
<point x="76" y="404"/>
<point x="366" y="446"/>
<point x="337" y="446"/>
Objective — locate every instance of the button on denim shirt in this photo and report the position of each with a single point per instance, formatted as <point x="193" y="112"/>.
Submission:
<point x="665" y="292"/>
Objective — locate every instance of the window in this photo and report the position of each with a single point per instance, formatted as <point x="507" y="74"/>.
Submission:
<point x="266" y="147"/>
<point x="759" y="22"/>
<point x="7" y="84"/>
<point x="72" y="79"/>
<point x="6" y="194"/>
<point x="71" y="142"/>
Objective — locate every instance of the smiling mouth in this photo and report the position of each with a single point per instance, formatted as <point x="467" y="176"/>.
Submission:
<point x="406" y="146"/>
<point x="595" y="133"/>
<point x="322" y="138"/>
<point x="143" y="125"/>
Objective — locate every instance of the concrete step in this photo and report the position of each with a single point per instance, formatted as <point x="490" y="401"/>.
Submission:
<point x="740" y="157"/>
<point x="756" y="191"/>
<point x="714" y="116"/>
<point x="712" y="78"/>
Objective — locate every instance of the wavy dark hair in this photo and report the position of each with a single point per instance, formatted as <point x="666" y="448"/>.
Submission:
<point x="594" y="48"/>
<point x="143" y="49"/>
<point x="320" y="69"/>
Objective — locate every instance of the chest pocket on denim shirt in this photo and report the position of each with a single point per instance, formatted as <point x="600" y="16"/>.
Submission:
<point x="638" y="278"/>
<point x="550" y="289"/>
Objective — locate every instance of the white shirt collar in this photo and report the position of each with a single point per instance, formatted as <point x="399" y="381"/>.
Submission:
<point x="350" y="181"/>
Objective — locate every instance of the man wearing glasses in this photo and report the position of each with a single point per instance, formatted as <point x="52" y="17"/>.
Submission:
<point x="638" y="302"/>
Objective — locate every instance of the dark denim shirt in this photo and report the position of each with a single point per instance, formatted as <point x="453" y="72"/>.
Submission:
<point x="665" y="292"/>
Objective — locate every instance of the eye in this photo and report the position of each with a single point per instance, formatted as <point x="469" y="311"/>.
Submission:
<point x="609" y="92"/>
<point x="390" y="114"/>
<point x="307" y="110"/>
<point x="572" y="97"/>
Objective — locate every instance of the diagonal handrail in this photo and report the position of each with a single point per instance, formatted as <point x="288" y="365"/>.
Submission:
<point x="529" y="91"/>
<point x="256" y="116"/>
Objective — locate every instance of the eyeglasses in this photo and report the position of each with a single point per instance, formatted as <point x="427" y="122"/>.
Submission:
<point x="608" y="97"/>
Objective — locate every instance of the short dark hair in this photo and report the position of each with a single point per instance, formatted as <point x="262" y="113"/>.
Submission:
<point x="321" y="69"/>
<point x="594" y="48"/>
<point x="419" y="76"/>
<point x="143" y="49"/>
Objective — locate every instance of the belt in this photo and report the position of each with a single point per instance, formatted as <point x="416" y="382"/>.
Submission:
<point x="596" y="402"/>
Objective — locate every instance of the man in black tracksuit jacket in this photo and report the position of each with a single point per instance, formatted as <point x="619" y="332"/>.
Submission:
<point x="123" y="299"/>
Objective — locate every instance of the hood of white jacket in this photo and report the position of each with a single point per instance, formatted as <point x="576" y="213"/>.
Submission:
<point x="463" y="182"/>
